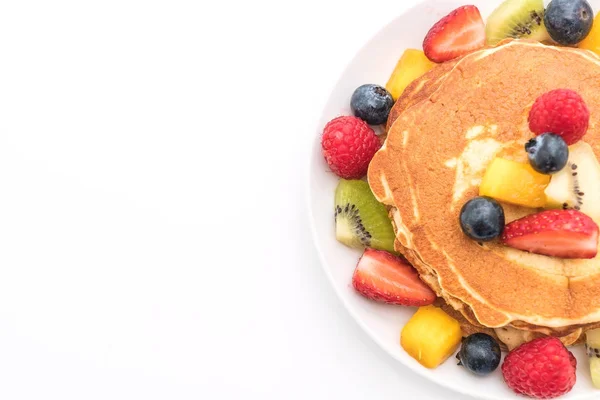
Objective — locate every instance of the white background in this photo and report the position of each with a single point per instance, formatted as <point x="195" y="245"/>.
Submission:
<point x="154" y="240"/>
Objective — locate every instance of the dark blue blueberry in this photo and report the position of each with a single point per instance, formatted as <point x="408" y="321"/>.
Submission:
<point x="479" y="353"/>
<point x="548" y="153"/>
<point x="372" y="103"/>
<point x="568" y="21"/>
<point x="482" y="219"/>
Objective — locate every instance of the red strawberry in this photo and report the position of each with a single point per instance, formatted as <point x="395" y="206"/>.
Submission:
<point x="458" y="33"/>
<point x="556" y="233"/>
<point x="560" y="111"/>
<point x="384" y="277"/>
<point x="542" y="368"/>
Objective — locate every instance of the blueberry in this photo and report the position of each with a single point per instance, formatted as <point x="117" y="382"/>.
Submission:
<point x="568" y="21"/>
<point x="372" y="103"/>
<point x="482" y="219"/>
<point x="548" y="153"/>
<point x="479" y="353"/>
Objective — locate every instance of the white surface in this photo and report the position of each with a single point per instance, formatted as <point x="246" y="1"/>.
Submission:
<point x="154" y="240"/>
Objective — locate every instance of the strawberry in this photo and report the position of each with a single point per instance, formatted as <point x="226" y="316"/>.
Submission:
<point x="387" y="278"/>
<point x="542" y="369"/>
<point x="458" y="33"/>
<point x="556" y="233"/>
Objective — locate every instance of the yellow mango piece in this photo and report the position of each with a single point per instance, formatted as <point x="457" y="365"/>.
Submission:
<point x="412" y="65"/>
<point x="431" y="336"/>
<point x="514" y="182"/>
<point x="592" y="41"/>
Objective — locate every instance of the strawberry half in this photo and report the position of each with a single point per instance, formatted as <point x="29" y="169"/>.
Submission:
<point x="458" y="33"/>
<point x="556" y="233"/>
<point x="387" y="278"/>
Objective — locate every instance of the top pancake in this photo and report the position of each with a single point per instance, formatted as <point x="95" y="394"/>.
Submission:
<point x="460" y="117"/>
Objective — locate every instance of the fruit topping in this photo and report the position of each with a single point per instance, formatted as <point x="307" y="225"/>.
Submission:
<point x="578" y="185"/>
<point x="514" y="182"/>
<point x="560" y="111"/>
<point x="348" y="145"/>
<point x="568" y="21"/>
<point x="479" y="353"/>
<point x="547" y="153"/>
<point x="592" y="347"/>
<point x="372" y="103"/>
<point x="555" y="233"/>
<point x="360" y="220"/>
<point x="542" y="369"/>
<point x="458" y="33"/>
<point x="517" y="19"/>
<point x="482" y="219"/>
<point x="412" y="65"/>
<point x="430" y="336"/>
<point x="387" y="278"/>
<point x="592" y="41"/>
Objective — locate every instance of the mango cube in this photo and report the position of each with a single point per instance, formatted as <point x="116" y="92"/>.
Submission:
<point x="412" y="65"/>
<point x="431" y="336"/>
<point x="514" y="182"/>
<point x="592" y="40"/>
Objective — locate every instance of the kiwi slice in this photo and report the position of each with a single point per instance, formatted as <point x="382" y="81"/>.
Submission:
<point x="592" y="347"/>
<point x="577" y="185"/>
<point x="360" y="220"/>
<point x="517" y="19"/>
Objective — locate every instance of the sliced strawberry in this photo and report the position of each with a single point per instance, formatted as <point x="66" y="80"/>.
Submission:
<point x="458" y="33"/>
<point x="556" y="233"/>
<point x="384" y="277"/>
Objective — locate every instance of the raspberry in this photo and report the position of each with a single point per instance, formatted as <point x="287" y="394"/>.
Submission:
<point x="349" y="144"/>
<point x="542" y="368"/>
<point x="560" y="111"/>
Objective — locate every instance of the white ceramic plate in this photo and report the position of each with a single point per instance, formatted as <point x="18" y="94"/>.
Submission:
<point x="373" y="64"/>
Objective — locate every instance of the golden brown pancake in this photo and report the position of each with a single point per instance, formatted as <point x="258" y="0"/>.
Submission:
<point x="419" y="90"/>
<point x="443" y="132"/>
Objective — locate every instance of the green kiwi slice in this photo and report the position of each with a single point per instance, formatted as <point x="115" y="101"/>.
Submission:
<point x="360" y="220"/>
<point x="592" y="347"/>
<point x="517" y="19"/>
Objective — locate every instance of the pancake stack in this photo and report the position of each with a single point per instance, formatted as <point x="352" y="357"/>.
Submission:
<point x="442" y="134"/>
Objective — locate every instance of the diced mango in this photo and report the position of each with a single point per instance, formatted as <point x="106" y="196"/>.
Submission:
<point x="431" y="336"/>
<point x="412" y="65"/>
<point x="514" y="182"/>
<point x="592" y="41"/>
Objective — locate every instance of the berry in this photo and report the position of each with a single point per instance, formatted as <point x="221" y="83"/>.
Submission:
<point x="547" y="153"/>
<point x="458" y="33"/>
<point x="482" y="219"/>
<point x="555" y="233"/>
<point x="387" y="278"/>
<point x="560" y="111"/>
<point x="542" y="368"/>
<point x="479" y="353"/>
<point x="372" y="103"/>
<point x="348" y="145"/>
<point x="568" y="21"/>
